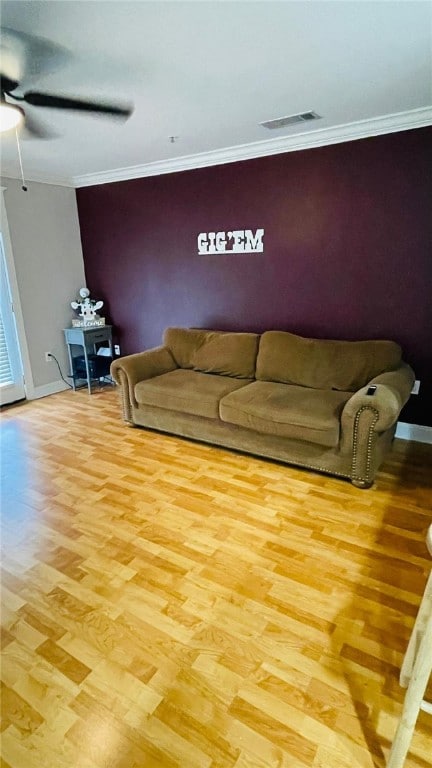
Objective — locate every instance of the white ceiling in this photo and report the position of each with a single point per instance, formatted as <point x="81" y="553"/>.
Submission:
<point x="211" y="72"/>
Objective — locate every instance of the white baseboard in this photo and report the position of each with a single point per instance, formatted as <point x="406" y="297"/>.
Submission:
<point x="33" y="393"/>
<point x="414" y="432"/>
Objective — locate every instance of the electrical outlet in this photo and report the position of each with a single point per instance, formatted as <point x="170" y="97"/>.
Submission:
<point x="416" y="388"/>
<point x="48" y="357"/>
<point x="116" y="349"/>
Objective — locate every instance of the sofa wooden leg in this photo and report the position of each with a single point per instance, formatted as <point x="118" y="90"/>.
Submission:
<point x="362" y="483"/>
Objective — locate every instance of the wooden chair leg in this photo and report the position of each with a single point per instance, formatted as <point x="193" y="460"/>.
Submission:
<point x="413" y="699"/>
<point x="425" y="611"/>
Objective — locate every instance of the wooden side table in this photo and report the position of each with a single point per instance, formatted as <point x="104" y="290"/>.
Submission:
<point x="84" y="343"/>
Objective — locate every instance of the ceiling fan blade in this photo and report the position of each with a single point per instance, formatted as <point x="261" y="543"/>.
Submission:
<point x="26" y="56"/>
<point x="7" y="85"/>
<point x="35" y="129"/>
<point x="63" y="102"/>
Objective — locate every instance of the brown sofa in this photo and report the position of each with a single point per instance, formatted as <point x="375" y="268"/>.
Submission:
<point x="330" y="406"/>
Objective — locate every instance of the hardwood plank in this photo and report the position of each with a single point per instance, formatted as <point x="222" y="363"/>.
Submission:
<point x="167" y="603"/>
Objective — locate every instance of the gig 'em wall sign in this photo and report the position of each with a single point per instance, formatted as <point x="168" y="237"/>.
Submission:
<point x="234" y="241"/>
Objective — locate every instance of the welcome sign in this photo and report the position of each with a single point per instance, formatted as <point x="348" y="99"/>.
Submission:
<point x="234" y="241"/>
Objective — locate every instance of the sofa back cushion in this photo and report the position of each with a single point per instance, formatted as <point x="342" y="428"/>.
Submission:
<point x="343" y="365"/>
<point x="182" y="343"/>
<point x="227" y="354"/>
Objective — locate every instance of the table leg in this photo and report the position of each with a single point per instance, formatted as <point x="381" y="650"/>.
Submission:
<point x="87" y="370"/>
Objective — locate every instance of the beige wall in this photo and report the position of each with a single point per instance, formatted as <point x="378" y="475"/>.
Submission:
<point x="47" y="255"/>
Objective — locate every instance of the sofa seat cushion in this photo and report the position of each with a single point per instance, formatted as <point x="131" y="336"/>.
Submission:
<point x="187" y="391"/>
<point x="286" y="410"/>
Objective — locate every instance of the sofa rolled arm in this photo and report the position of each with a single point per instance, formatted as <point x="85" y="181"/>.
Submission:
<point x="365" y="417"/>
<point x="129" y="370"/>
<point x="393" y="389"/>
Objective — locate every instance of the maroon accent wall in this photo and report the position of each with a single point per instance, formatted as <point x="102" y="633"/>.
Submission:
<point x="347" y="248"/>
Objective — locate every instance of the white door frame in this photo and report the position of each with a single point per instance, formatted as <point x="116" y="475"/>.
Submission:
<point x="13" y="285"/>
<point x="12" y="384"/>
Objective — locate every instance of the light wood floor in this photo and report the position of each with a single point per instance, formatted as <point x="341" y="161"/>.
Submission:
<point x="173" y="604"/>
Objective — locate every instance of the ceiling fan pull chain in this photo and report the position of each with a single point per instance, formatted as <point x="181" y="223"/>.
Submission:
<point x="24" y="187"/>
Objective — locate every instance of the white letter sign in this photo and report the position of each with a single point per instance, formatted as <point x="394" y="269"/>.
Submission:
<point x="234" y="241"/>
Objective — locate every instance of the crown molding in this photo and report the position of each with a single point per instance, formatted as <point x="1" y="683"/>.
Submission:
<point x="36" y="178"/>
<point x="362" y="129"/>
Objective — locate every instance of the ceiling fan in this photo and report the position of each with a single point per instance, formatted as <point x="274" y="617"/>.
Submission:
<point x="11" y="90"/>
<point x="11" y="114"/>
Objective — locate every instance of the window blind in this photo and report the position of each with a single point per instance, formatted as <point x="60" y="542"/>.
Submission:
<point x="5" y="368"/>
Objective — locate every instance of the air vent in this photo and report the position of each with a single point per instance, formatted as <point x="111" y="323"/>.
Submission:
<point x="282" y="122"/>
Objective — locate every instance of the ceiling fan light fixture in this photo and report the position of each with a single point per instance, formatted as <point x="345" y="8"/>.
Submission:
<point x="10" y="116"/>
